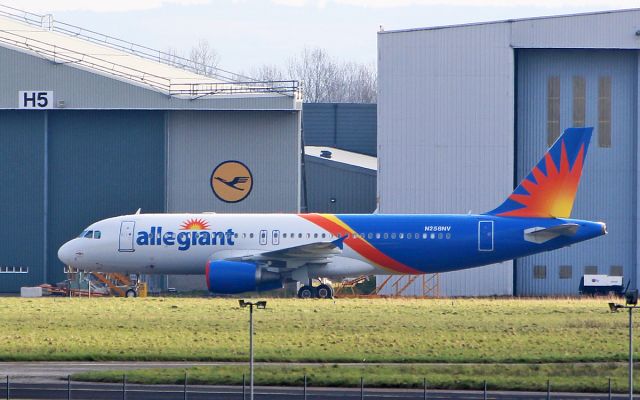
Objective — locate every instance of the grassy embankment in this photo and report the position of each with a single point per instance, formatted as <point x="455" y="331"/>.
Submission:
<point x="418" y="331"/>
<point x="317" y="331"/>
<point x="563" y="377"/>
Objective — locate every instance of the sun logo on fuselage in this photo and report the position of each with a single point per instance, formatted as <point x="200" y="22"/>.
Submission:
<point x="195" y="224"/>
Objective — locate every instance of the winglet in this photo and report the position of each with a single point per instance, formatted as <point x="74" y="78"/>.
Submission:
<point x="339" y="242"/>
<point x="550" y="188"/>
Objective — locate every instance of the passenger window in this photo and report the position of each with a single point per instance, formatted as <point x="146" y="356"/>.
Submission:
<point x="299" y="235"/>
<point x="448" y="236"/>
<point x="284" y="235"/>
<point x="409" y="235"/>
<point x="251" y="236"/>
<point x="401" y="235"/>
<point x="96" y="235"/>
<point x="244" y="235"/>
<point x="433" y="236"/>
<point x="88" y="235"/>
<point x="424" y="235"/>
<point x="235" y="235"/>
<point x="377" y="236"/>
<point x="315" y="235"/>
<point x="370" y="236"/>
<point x="386" y="236"/>
<point x="440" y="235"/>
<point x="324" y="235"/>
<point x="393" y="236"/>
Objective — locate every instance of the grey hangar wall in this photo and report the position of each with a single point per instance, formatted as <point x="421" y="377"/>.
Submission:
<point x="470" y="108"/>
<point x="116" y="147"/>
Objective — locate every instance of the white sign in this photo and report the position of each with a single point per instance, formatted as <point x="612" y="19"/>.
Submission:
<point x="35" y="100"/>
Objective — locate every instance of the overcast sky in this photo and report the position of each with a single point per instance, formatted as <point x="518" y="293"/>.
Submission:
<point x="250" y="33"/>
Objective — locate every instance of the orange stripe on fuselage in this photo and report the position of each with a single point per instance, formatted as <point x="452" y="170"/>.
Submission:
<point x="335" y="226"/>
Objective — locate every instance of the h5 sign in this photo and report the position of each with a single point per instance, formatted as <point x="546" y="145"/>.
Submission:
<point x="35" y="100"/>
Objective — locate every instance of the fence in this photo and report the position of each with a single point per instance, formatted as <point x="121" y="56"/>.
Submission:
<point x="125" y="391"/>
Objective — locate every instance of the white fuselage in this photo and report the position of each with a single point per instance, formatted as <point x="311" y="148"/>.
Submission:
<point x="165" y="244"/>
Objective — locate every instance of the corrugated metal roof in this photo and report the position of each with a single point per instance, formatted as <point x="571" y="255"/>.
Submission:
<point x="342" y="156"/>
<point x="116" y="58"/>
<point x="510" y="20"/>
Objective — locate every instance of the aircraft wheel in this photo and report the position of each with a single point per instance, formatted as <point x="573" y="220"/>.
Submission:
<point x="131" y="293"/>
<point x="306" y="292"/>
<point x="324" y="292"/>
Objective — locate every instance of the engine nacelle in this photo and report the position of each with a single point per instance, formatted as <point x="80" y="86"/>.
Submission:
<point x="230" y="277"/>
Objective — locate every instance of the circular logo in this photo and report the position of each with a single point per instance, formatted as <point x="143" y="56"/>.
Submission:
<point x="231" y="181"/>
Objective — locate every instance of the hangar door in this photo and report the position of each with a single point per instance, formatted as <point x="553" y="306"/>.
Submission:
<point x="557" y="89"/>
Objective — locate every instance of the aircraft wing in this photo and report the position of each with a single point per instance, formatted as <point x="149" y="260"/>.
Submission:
<point x="317" y="252"/>
<point x="541" y="235"/>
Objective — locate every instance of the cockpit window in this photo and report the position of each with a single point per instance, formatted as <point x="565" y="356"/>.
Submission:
<point x="96" y="234"/>
<point x="82" y="234"/>
<point x="88" y="235"/>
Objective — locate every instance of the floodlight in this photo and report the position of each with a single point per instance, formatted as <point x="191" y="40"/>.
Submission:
<point x="261" y="304"/>
<point x="614" y="307"/>
<point x="242" y="303"/>
<point x="631" y="297"/>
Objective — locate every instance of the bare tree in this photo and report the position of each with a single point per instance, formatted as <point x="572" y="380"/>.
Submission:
<point x="204" y="58"/>
<point x="317" y="72"/>
<point x="171" y="56"/>
<point x="268" y="73"/>
<point x="358" y="83"/>
<point x="325" y="80"/>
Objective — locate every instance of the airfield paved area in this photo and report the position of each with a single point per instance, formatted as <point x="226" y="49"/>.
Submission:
<point x="175" y="392"/>
<point x="47" y="380"/>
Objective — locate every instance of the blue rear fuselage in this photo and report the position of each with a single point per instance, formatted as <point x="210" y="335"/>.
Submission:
<point x="440" y="243"/>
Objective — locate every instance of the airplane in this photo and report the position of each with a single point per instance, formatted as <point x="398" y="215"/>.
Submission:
<point x="257" y="252"/>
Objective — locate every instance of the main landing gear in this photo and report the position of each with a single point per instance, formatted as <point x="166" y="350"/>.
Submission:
<point x="323" y="291"/>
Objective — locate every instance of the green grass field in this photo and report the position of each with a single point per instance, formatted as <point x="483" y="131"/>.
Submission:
<point x="563" y="377"/>
<point x="380" y="330"/>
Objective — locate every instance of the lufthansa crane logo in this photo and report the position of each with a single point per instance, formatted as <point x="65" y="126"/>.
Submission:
<point x="231" y="181"/>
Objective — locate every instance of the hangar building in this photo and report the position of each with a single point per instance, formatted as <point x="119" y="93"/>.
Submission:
<point x="465" y="111"/>
<point x="340" y="165"/>
<point x="92" y="126"/>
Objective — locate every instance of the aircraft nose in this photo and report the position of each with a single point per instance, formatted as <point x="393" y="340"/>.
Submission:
<point x="66" y="253"/>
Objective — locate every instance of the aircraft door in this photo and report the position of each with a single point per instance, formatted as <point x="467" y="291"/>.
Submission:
<point x="126" y="236"/>
<point x="485" y="235"/>
<point x="263" y="237"/>
<point x="275" y="238"/>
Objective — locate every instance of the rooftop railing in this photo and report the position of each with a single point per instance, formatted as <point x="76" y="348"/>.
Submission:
<point x="231" y="83"/>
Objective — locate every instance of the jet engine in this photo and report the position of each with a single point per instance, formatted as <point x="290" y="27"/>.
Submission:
<point x="229" y="277"/>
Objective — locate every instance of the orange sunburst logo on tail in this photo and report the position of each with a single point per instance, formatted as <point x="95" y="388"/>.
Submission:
<point x="550" y="194"/>
<point x="195" y="224"/>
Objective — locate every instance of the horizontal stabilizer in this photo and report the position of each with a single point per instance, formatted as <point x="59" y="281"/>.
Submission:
<point x="541" y="235"/>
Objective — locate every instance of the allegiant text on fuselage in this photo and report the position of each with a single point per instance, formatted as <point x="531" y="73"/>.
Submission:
<point x="185" y="239"/>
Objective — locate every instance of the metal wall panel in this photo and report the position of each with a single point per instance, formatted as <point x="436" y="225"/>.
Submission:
<point x="446" y="129"/>
<point x="346" y="126"/>
<point x="82" y="89"/>
<point x="353" y="188"/>
<point x="268" y="143"/>
<point x="609" y="29"/>
<point x="102" y="164"/>
<point x="21" y="197"/>
<point x="607" y="190"/>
